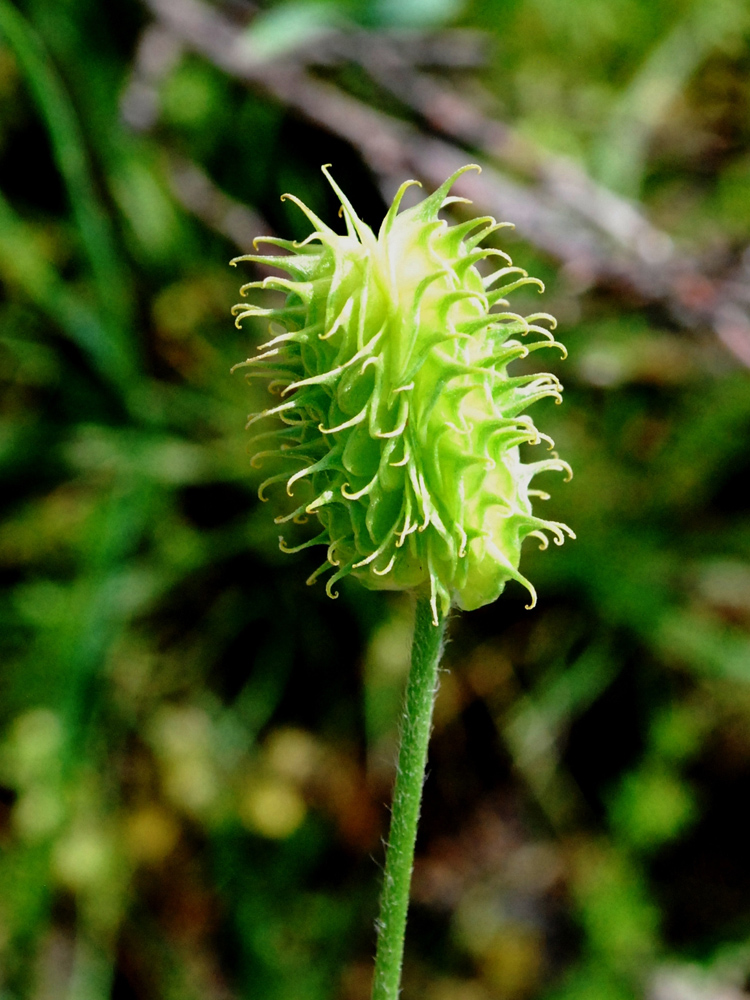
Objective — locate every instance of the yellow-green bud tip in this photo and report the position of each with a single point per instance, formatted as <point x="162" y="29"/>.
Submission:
<point x="399" y="420"/>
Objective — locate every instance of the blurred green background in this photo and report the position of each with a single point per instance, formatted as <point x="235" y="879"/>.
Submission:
<point x="197" y="750"/>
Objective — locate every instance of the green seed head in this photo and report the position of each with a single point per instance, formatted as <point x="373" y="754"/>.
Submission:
<point x="397" y="414"/>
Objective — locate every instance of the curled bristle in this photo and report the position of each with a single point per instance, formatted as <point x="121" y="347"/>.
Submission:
<point x="390" y="354"/>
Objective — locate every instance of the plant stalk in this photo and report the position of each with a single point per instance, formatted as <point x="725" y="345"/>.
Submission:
<point x="421" y="688"/>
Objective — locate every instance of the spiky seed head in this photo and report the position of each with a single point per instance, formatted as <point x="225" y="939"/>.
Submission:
<point x="389" y="357"/>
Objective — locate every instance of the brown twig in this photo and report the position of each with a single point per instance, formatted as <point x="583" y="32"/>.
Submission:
<point x="598" y="237"/>
<point x="197" y="193"/>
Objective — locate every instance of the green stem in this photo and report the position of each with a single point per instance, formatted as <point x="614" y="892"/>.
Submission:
<point x="421" y="688"/>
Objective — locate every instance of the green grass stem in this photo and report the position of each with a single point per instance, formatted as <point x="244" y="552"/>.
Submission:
<point x="421" y="689"/>
<point x="71" y="157"/>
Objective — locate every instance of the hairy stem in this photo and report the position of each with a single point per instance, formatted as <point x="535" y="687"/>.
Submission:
<point x="421" y="688"/>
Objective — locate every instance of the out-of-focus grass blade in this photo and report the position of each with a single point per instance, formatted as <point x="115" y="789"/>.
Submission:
<point x="70" y="156"/>
<point x="622" y="149"/>
<point x="23" y="265"/>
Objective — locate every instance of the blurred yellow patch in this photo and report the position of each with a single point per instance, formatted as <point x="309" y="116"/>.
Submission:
<point x="459" y="989"/>
<point x="293" y="754"/>
<point x="84" y="859"/>
<point x="182" y="737"/>
<point x="512" y="963"/>
<point x="272" y="807"/>
<point x="151" y="834"/>
<point x="38" y="811"/>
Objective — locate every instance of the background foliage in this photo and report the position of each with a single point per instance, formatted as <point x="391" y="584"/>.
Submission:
<point x="196" y="749"/>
